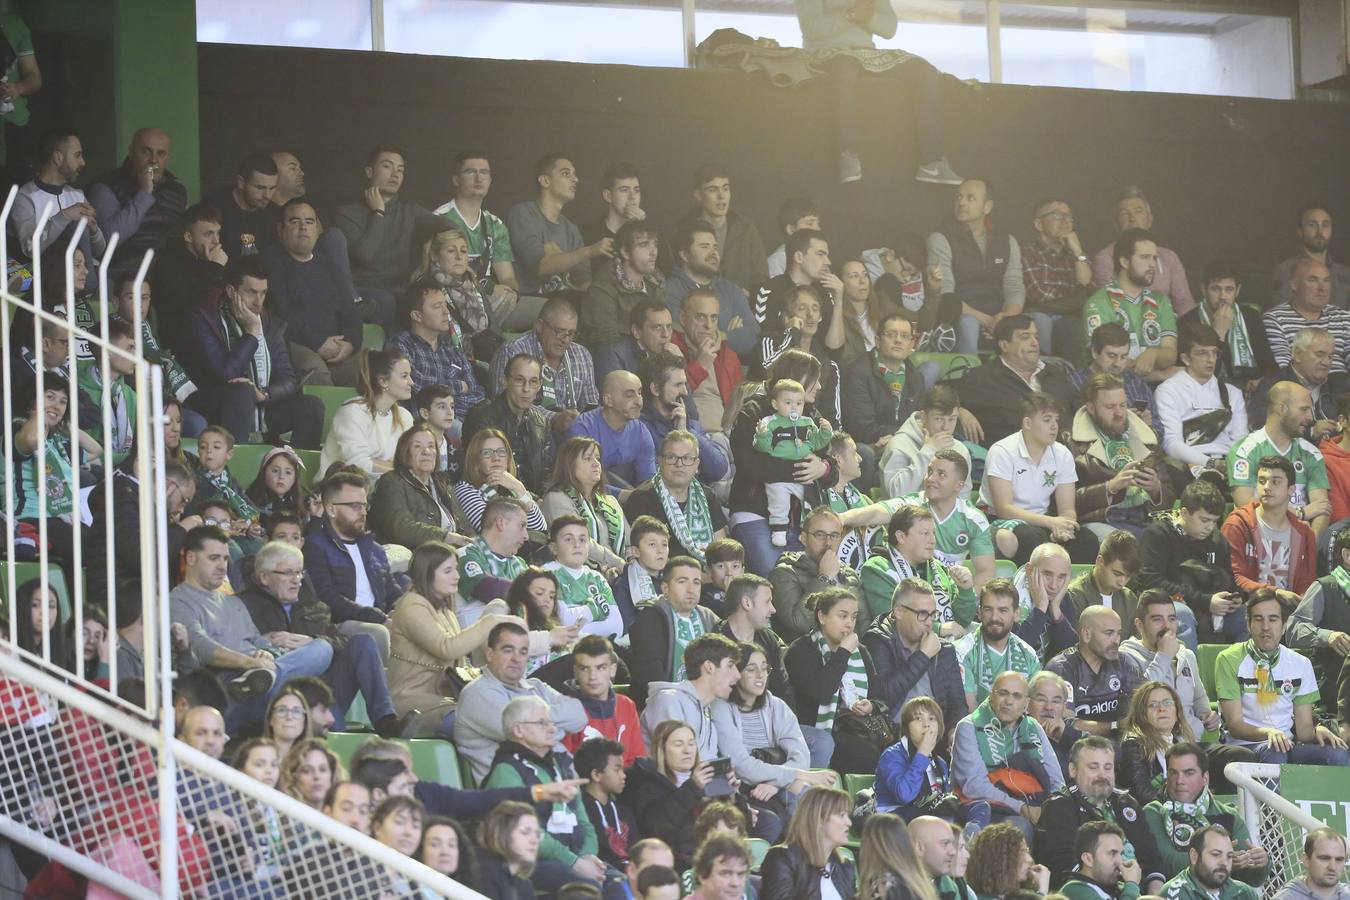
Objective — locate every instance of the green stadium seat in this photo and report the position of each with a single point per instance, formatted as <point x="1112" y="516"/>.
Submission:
<point x="952" y="365"/>
<point x="332" y="398"/>
<point x="1005" y="568"/>
<point x="372" y="337"/>
<point x="1078" y="569"/>
<point x="344" y="744"/>
<point x="855" y="783"/>
<point x="357" y="717"/>
<point x="435" y="760"/>
<point x="1205" y="655"/>
<point x="189" y="445"/>
<point x="247" y="461"/>
<point x="759" y="848"/>
<point x="56" y="579"/>
<point x="622" y="689"/>
<point x="310" y="460"/>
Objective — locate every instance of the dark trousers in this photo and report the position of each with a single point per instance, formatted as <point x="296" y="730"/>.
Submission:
<point x="357" y="667"/>
<point x="917" y="76"/>
<point x="1082" y="549"/>
<point x="233" y="406"/>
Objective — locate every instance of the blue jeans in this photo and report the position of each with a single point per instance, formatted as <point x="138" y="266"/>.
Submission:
<point x="820" y="744"/>
<point x="1045" y="327"/>
<point x="760" y="554"/>
<point x="1186" y="626"/>
<point x="967" y="335"/>
<point x="1304" y="754"/>
<point x="312" y="659"/>
<point x="357" y="667"/>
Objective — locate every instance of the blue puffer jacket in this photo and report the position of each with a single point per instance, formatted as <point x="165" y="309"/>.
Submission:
<point x="902" y="779"/>
<point x="330" y="569"/>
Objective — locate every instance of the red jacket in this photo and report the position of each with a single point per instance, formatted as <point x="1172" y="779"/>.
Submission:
<point x="726" y="366"/>
<point x="1242" y="533"/>
<point x="1338" y="472"/>
<point x="616" y="720"/>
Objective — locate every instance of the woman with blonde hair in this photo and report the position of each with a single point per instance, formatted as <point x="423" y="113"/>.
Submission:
<point x="888" y="869"/>
<point x="308" y="771"/>
<point x="426" y="638"/>
<point x="577" y="487"/>
<point x="366" y="429"/>
<point x="490" y="471"/>
<point x="810" y="856"/>
<point x="445" y="261"/>
<point x="1000" y="863"/>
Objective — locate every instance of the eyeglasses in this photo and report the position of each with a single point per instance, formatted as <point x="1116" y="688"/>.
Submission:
<point x="494" y="453"/>
<point x="923" y="615"/>
<point x="296" y="575"/>
<point x="1169" y="703"/>
<point x="681" y="460"/>
<point x="354" y="504"/>
<point x="826" y="535"/>
<point x="285" y="712"/>
<point x="563" y="334"/>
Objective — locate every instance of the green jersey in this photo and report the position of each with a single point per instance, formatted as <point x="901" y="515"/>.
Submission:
<point x="1310" y="469"/>
<point x="965" y="532"/>
<point x="488" y="242"/>
<point x="1148" y="318"/>
<point x="981" y="664"/>
<point x="1082" y="889"/>
<point x="584" y="589"/>
<point x="1185" y="887"/>
<point x="478" y="562"/>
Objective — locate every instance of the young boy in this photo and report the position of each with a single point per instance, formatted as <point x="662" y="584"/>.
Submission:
<point x="581" y="590"/>
<point x="787" y="435"/>
<point x="175" y="379"/>
<point x="436" y="406"/>
<point x="649" y="540"/>
<point x="285" y="527"/>
<point x="609" y="714"/>
<point x="600" y="761"/>
<point x="215" y="447"/>
<point x="725" y="559"/>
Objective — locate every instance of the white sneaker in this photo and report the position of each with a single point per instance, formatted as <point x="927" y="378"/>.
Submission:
<point x="939" y="171"/>
<point x="778" y="538"/>
<point x="850" y="169"/>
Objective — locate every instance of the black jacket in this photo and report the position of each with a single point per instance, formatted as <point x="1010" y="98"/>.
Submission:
<point x="1189" y="570"/>
<point x="753" y="468"/>
<point x="1061" y="817"/>
<point x="309" y="615"/>
<point x="663" y="810"/>
<point x="212" y="365"/>
<point x="182" y="282"/>
<point x="496" y="882"/>
<point x="897" y="672"/>
<point x="1136" y="769"/>
<point x="815" y="681"/>
<point x="993" y="393"/>
<point x="788" y="875"/>
<point x="871" y="410"/>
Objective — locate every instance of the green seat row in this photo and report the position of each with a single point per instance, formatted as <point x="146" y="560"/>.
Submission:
<point x="432" y="759"/>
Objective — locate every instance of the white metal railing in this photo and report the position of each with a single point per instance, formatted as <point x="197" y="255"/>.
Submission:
<point x="97" y="782"/>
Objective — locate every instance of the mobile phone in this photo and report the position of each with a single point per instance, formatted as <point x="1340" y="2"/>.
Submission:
<point x="720" y="785"/>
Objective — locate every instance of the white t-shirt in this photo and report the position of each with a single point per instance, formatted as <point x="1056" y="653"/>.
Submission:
<point x="1033" y="484"/>
<point x="364" y="595"/>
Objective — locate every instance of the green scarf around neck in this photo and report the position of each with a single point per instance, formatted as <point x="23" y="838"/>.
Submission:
<point x="998" y="742"/>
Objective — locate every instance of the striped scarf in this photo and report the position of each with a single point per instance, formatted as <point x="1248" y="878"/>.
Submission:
<point x="691" y="527"/>
<point x="603" y="507"/>
<point x="852" y="688"/>
<point x="1239" y="344"/>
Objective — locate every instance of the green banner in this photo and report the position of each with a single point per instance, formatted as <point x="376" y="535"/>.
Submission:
<point x="1323" y="792"/>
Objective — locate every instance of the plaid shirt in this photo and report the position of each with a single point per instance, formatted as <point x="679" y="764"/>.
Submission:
<point x="445" y="364"/>
<point x="1049" y="275"/>
<point x="576" y="360"/>
<point x="1137" y="392"/>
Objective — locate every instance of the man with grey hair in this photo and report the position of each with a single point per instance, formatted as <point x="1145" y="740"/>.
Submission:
<point x="1309" y="305"/>
<point x="1049" y="705"/>
<point x="1312" y="355"/>
<point x="287" y="610"/>
<point x="1042" y="595"/>
<point x="1134" y="211"/>
<point x="909" y="657"/>
<point x="568" y="847"/>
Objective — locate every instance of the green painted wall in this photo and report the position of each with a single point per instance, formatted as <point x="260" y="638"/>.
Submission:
<point x="112" y="66"/>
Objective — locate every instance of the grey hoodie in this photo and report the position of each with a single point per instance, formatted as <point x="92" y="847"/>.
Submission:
<point x="678" y="700"/>
<point x="784" y="732"/>
<point x="1299" y="890"/>
<point x="904" y="462"/>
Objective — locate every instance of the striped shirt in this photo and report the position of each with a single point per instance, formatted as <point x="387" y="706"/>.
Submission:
<point x="579" y="391"/>
<point x="1283" y="322"/>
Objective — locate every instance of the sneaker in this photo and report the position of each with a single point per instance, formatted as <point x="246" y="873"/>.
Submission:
<point x="778" y="538"/>
<point x="251" y="683"/>
<point x="939" y="171"/>
<point x="396" y="726"/>
<point x="850" y="168"/>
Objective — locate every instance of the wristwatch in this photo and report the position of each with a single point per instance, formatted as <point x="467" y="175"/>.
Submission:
<point x="1081" y="259"/>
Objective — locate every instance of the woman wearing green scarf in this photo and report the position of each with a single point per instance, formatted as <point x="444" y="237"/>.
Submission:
<point x="577" y="488"/>
<point x="830" y="671"/>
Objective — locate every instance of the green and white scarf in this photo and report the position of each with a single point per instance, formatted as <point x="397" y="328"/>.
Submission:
<point x="692" y="528"/>
<point x="852" y="688"/>
<point x="686" y="629"/>
<point x="562" y="818"/>
<point x="852" y="550"/>
<point x="997" y="743"/>
<point x="1342" y="578"/>
<point x="224" y="484"/>
<point x="1120" y="454"/>
<point x="1239" y="344"/>
<point x="1020" y="657"/>
<point x="179" y="383"/>
<point x="935" y="574"/>
<point x="260" y="366"/>
<point x="1266" y="690"/>
<point x="1182" y="820"/>
<point x="608" y="509"/>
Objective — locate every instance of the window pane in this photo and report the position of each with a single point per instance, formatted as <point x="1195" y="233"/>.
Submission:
<point x="1169" y="51"/>
<point x="499" y="29"/>
<point x="328" y="24"/>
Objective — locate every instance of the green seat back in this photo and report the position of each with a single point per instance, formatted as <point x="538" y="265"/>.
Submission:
<point x="372" y="337"/>
<point x="247" y="461"/>
<point x="56" y="580"/>
<point x="1078" y="569"/>
<point x="1005" y="568"/>
<point x="332" y="398"/>
<point x="855" y="783"/>
<point x="759" y="848"/>
<point x="952" y="365"/>
<point x="435" y="760"/>
<point x="344" y="744"/>
<point x="310" y="459"/>
<point x="1205" y="655"/>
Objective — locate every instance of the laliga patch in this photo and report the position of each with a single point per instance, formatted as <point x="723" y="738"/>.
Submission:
<point x="1242" y="469"/>
<point x="472" y="569"/>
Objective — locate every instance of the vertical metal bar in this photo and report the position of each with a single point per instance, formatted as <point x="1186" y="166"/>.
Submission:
<point x="377" y="25"/>
<point x="77" y="550"/>
<point x="687" y="23"/>
<point x="993" y="24"/>
<point x="157" y="651"/>
<point x="110" y="532"/>
<point x="6" y="365"/>
<point x="40" y="452"/>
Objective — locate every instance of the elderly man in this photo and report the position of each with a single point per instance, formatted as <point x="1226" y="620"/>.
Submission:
<point x="568" y="846"/>
<point x="290" y="614"/>
<point x="1312" y="356"/>
<point x="1050" y="706"/>
<point x="1289" y="413"/>
<point x="1133" y="211"/>
<point x="1002" y="755"/>
<point x="567" y="377"/>
<point x="990" y="648"/>
<point x="1314" y="236"/>
<point x="626" y="447"/>
<point x="676" y="497"/>
<point x="529" y="428"/>
<point x="800" y="573"/>
<point x="1042" y="600"/>
<point x="479" y="729"/>
<point x="1309" y="305"/>
<point x="1101" y="679"/>
<point x="1055" y="271"/>
<point x="1092" y="796"/>
<point x="910" y="659"/>
<point x="141" y="200"/>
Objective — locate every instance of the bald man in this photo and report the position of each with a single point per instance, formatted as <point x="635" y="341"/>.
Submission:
<point x="140" y="199"/>
<point x="935" y="845"/>
<point x="627" y="450"/>
<point x="203" y="729"/>
<point x="1102" y="681"/>
<point x="1001" y="755"/>
<point x="290" y="177"/>
<point x="1290" y="411"/>
<point x="1309" y="304"/>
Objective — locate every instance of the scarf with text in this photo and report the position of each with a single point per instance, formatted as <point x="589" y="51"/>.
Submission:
<point x="692" y="527"/>
<point x="602" y="507"/>
<point x="997" y="742"/>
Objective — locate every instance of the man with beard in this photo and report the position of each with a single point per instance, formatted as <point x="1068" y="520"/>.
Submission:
<point x="1312" y="353"/>
<point x="1289" y="413"/>
<point x="1309" y="305"/>
<point x="668" y="408"/>
<point x="1103" y="869"/>
<point x="1323" y="865"/>
<point x="1101" y="680"/>
<point x="698" y="265"/>
<point x="621" y="283"/>
<point x="1122" y="480"/>
<point x="1207" y="877"/>
<point x="1314" y="233"/>
<point x="1110" y="349"/>
<point x="1091" y="796"/>
<point x="991" y="648"/>
<point x="1133" y="211"/>
<point x="1148" y="317"/>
